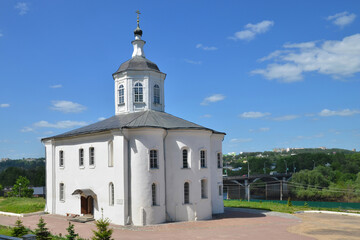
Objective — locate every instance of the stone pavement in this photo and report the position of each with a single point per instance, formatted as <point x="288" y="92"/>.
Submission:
<point x="233" y="224"/>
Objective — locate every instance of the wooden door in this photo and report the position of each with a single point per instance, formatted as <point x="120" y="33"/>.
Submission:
<point x="84" y="205"/>
<point x="90" y="205"/>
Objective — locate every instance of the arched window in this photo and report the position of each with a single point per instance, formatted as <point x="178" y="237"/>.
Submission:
<point x="110" y="154"/>
<point x="61" y="158"/>
<point x="186" y="193"/>
<point x="81" y="157"/>
<point x="153" y="194"/>
<point x="185" y="158"/>
<point x="153" y="159"/>
<point x="111" y="194"/>
<point x="61" y="192"/>
<point x="203" y="159"/>
<point x="219" y="160"/>
<point x="121" y="94"/>
<point x="156" y="94"/>
<point x="138" y="92"/>
<point x="203" y="188"/>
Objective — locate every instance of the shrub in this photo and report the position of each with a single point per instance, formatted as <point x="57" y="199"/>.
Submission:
<point x="72" y="235"/>
<point x="42" y="232"/>
<point x="103" y="232"/>
<point x="19" y="230"/>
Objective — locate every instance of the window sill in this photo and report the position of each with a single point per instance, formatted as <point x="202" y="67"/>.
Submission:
<point x="82" y="167"/>
<point x="204" y="198"/>
<point x="203" y="167"/>
<point x="139" y="102"/>
<point x="62" y="201"/>
<point x="121" y="104"/>
<point x="92" y="166"/>
<point x="154" y="168"/>
<point x="62" y="167"/>
<point x="187" y="204"/>
<point x="186" y="168"/>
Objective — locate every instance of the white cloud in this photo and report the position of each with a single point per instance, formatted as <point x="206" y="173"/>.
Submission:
<point x="67" y="107"/>
<point x="56" y="86"/>
<point x="193" y="62"/>
<point x="342" y="19"/>
<point x="212" y="99"/>
<point x="4" y="105"/>
<point x="254" y="114"/>
<point x="27" y="129"/>
<point x="240" y="140"/>
<point x="60" y="124"/>
<point x="319" y="135"/>
<point x="251" y="30"/>
<point x="334" y="58"/>
<point x="1" y="34"/>
<point x="22" y="7"/>
<point x="101" y="118"/>
<point x="286" y="118"/>
<point x="264" y="129"/>
<point x="206" y="48"/>
<point x="206" y="116"/>
<point x="343" y="113"/>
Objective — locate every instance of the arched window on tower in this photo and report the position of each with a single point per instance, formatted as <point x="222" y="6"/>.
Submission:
<point x="156" y="94"/>
<point x="138" y="93"/>
<point x="121" y="94"/>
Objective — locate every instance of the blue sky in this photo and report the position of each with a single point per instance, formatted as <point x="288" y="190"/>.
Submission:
<point x="268" y="73"/>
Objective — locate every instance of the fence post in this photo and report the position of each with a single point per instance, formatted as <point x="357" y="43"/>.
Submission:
<point x="281" y="190"/>
<point x="29" y="237"/>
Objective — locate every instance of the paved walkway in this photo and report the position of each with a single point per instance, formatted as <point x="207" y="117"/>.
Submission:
<point x="233" y="224"/>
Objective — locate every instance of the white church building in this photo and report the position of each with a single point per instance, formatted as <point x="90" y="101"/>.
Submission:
<point x="142" y="166"/>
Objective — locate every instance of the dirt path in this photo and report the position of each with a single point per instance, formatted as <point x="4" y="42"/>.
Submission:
<point x="325" y="226"/>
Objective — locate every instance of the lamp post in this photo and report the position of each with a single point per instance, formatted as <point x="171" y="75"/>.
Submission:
<point x="248" y="180"/>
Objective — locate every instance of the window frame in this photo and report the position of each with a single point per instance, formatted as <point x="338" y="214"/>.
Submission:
<point x="186" y="193"/>
<point x="62" y="192"/>
<point x="153" y="159"/>
<point x="138" y="93"/>
<point x="61" y="159"/>
<point x="81" y="157"/>
<point x="157" y="94"/>
<point x="185" y="161"/>
<point x="154" y="194"/>
<point x="111" y="194"/>
<point x="92" y="156"/>
<point x="221" y="192"/>
<point x="219" y="159"/>
<point x="203" y="162"/>
<point x="121" y="94"/>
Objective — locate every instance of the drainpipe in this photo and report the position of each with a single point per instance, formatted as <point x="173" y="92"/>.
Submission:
<point x="164" y="153"/>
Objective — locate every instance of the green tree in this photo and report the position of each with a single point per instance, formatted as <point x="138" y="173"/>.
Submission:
<point x="103" y="232"/>
<point x="21" y="188"/>
<point x="42" y="232"/>
<point x="72" y="235"/>
<point x="19" y="230"/>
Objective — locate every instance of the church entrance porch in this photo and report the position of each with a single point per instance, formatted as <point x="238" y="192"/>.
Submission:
<point x="87" y="202"/>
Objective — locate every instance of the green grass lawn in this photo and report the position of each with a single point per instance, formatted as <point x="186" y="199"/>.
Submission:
<point x="22" y="205"/>
<point x="273" y="206"/>
<point x="4" y="230"/>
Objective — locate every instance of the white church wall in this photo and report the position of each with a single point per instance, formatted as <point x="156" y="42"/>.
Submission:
<point x="96" y="177"/>
<point x="216" y="174"/>
<point x="194" y="141"/>
<point x="50" y="172"/>
<point x="142" y="176"/>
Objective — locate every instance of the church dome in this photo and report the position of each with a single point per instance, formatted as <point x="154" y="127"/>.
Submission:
<point x="138" y="64"/>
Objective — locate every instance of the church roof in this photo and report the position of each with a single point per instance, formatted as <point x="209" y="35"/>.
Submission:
<point x="138" y="64"/>
<point x="143" y="119"/>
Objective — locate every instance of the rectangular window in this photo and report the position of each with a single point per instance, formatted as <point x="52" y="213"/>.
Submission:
<point x="219" y="160"/>
<point x="81" y="157"/>
<point x="153" y="194"/>
<point x="91" y="156"/>
<point x="185" y="158"/>
<point x="186" y="193"/>
<point x="61" y="192"/>
<point x="153" y="159"/>
<point x="61" y="158"/>
<point x="220" y="190"/>
<point x="111" y="193"/>
<point x="203" y="188"/>
<point x="203" y="159"/>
